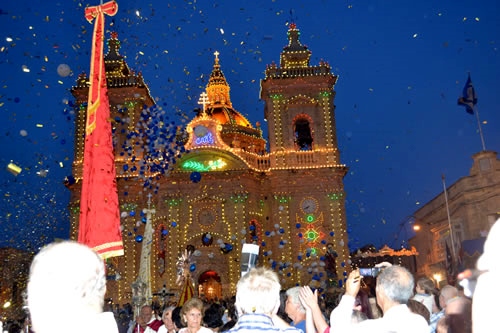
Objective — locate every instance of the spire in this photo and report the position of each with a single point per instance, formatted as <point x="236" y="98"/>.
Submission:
<point x="114" y="61"/>
<point x="113" y="48"/>
<point x="294" y="54"/>
<point x="217" y="87"/>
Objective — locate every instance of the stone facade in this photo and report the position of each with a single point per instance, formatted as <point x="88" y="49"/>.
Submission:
<point x="14" y="272"/>
<point x="473" y="205"/>
<point x="225" y="188"/>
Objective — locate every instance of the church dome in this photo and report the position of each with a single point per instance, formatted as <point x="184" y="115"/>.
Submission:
<point x="227" y="115"/>
<point x="236" y="131"/>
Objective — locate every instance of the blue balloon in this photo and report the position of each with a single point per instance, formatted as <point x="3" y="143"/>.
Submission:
<point x="138" y="238"/>
<point x="164" y="232"/>
<point x="192" y="268"/>
<point x="132" y="213"/>
<point x="227" y="248"/>
<point x="174" y="224"/>
<point x="69" y="180"/>
<point x="195" y="176"/>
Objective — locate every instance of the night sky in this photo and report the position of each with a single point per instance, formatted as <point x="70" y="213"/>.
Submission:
<point x="402" y="66"/>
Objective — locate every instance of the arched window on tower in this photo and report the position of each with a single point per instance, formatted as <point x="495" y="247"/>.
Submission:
<point x="303" y="134"/>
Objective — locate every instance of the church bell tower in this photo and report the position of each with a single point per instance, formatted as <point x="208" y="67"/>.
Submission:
<point x="299" y="108"/>
<point x="304" y="158"/>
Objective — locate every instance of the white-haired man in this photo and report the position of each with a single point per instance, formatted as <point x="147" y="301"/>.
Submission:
<point x="66" y="290"/>
<point x="447" y="294"/>
<point x="394" y="288"/>
<point x="258" y="301"/>
<point x="294" y="308"/>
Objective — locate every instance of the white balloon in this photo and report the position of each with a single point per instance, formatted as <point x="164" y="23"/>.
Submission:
<point x="124" y="214"/>
<point x="200" y="131"/>
<point x="23" y="132"/>
<point x="63" y="70"/>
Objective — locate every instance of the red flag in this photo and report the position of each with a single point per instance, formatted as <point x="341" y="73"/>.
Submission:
<point x="99" y="210"/>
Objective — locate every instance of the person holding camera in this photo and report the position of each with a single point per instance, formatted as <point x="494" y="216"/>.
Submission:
<point x="393" y="290"/>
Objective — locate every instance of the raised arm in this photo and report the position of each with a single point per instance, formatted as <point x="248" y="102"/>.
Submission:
<point x="315" y="322"/>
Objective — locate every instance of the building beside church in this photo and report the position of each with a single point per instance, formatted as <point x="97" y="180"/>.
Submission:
<point x="14" y="272"/>
<point x="225" y="187"/>
<point x="454" y="225"/>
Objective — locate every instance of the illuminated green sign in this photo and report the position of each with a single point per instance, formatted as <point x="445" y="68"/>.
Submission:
<point x="203" y="166"/>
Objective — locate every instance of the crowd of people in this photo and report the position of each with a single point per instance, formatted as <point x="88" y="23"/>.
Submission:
<point x="71" y="298"/>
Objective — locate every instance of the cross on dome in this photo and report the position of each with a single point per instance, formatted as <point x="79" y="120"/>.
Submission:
<point x="204" y="100"/>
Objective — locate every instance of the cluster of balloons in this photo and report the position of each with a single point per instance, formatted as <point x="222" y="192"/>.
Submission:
<point x="153" y="147"/>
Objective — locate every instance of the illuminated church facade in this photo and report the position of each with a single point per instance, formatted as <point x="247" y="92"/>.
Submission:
<point x="225" y="187"/>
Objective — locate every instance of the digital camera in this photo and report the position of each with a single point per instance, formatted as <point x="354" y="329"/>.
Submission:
<point x="373" y="271"/>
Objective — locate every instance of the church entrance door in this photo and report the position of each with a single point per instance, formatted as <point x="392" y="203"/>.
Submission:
<point x="209" y="286"/>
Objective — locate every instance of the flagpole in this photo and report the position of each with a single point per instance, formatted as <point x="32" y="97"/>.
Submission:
<point x="476" y="112"/>
<point x="449" y="218"/>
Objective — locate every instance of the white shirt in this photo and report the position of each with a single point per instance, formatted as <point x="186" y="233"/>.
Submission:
<point x="398" y="319"/>
<point x="427" y="300"/>
<point x="202" y="329"/>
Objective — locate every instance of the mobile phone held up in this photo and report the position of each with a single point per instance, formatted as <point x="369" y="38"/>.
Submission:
<point x="373" y="271"/>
